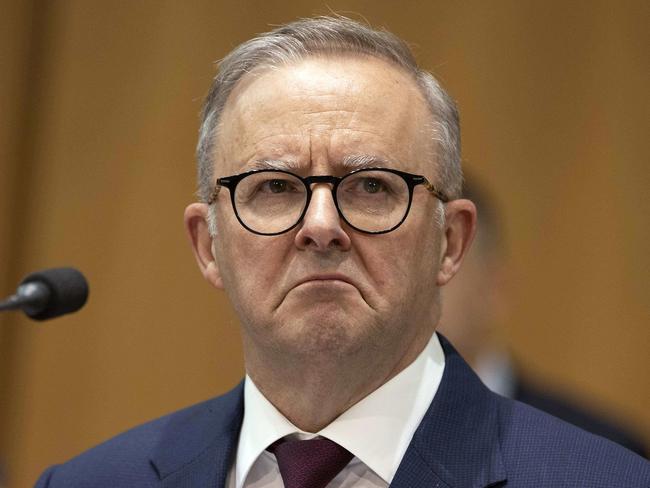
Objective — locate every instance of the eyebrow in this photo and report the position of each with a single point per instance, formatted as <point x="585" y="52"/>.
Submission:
<point x="350" y="163"/>
<point x="274" y="164"/>
<point x="360" y="161"/>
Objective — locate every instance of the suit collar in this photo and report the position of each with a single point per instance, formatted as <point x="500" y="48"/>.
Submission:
<point x="457" y="443"/>
<point x="197" y="445"/>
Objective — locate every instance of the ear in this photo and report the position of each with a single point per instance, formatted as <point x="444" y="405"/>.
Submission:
<point x="196" y="225"/>
<point x="460" y="226"/>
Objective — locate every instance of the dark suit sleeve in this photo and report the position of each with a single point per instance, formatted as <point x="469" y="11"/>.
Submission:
<point x="44" y="480"/>
<point x="563" y="408"/>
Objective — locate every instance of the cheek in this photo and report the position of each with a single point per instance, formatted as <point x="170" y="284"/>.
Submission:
<point x="403" y="267"/>
<point x="252" y="263"/>
<point x="245" y="280"/>
<point x="232" y="245"/>
<point x="252" y="266"/>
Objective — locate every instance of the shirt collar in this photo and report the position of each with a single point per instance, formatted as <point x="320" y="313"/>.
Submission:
<point x="377" y="429"/>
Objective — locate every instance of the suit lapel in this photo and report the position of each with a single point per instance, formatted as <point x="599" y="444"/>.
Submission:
<point x="415" y="472"/>
<point x="197" y="446"/>
<point x="457" y="442"/>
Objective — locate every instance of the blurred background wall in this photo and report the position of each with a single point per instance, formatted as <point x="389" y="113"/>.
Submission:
<point x="98" y="121"/>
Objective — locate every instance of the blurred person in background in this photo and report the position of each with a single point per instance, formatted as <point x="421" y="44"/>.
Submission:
<point x="474" y="326"/>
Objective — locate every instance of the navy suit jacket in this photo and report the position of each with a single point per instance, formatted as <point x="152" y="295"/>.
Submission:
<point x="469" y="438"/>
<point x="562" y="407"/>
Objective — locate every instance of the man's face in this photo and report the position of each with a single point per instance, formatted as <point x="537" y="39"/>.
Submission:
<point x="324" y="288"/>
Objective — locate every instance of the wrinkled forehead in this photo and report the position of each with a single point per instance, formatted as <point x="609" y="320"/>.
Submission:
<point x="326" y="107"/>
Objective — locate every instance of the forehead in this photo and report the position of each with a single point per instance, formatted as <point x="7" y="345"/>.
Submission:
<point x="320" y="111"/>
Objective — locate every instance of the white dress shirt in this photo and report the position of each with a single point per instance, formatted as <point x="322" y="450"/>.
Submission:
<point x="377" y="430"/>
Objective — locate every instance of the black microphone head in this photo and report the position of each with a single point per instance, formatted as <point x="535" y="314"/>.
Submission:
<point x="68" y="292"/>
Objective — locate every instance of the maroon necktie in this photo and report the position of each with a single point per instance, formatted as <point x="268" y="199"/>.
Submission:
<point x="309" y="464"/>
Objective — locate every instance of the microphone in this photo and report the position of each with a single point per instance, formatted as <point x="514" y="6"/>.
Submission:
<point x="49" y="293"/>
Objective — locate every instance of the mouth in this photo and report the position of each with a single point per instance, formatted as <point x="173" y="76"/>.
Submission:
<point x="324" y="284"/>
<point x="325" y="278"/>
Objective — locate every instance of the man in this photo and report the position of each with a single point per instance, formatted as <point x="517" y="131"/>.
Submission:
<point x="329" y="176"/>
<point x="473" y="326"/>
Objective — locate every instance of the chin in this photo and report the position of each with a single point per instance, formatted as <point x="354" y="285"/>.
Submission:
<point x="327" y="332"/>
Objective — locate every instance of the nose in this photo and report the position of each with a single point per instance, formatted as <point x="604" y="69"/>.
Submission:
<point x="321" y="226"/>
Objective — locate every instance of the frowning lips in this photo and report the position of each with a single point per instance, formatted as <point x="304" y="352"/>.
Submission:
<point x="325" y="277"/>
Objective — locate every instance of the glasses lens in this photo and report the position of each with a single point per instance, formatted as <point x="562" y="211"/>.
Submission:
<point x="373" y="200"/>
<point x="270" y="201"/>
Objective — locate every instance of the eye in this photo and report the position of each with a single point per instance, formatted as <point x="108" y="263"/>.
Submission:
<point x="277" y="186"/>
<point x="372" y="185"/>
<point x="366" y="184"/>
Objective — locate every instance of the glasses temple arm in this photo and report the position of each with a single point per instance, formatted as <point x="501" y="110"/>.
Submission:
<point x="433" y="190"/>
<point x="214" y="194"/>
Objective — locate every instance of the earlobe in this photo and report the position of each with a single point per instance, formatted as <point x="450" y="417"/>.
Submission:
<point x="196" y="225"/>
<point x="460" y="226"/>
<point x="212" y="274"/>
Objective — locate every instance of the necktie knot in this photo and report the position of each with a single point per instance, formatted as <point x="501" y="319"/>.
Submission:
<point x="310" y="463"/>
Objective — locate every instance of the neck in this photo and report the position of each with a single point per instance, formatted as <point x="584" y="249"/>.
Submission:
<point x="313" y="390"/>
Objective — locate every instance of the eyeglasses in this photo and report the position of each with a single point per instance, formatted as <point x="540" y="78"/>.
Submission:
<point x="371" y="200"/>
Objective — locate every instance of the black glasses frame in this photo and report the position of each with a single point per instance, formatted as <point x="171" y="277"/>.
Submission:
<point x="411" y="180"/>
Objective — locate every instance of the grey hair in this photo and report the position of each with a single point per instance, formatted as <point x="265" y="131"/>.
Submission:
<point x="303" y="38"/>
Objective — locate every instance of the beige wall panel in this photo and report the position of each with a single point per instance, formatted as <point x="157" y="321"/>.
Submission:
<point x="554" y="116"/>
<point x="16" y="25"/>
